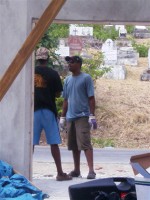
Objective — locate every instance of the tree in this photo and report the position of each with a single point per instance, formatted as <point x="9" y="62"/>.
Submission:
<point x="50" y="40"/>
<point x="104" y="33"/>
<point x="92" y="65"/>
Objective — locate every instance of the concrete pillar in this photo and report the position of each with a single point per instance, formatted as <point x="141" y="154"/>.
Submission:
<point x="16" y="108"/>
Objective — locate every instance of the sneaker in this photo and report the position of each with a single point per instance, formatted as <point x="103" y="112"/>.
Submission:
<point x="74" y="174"/>
<point x="91" y="175"/>
<point x="63" y="177"/>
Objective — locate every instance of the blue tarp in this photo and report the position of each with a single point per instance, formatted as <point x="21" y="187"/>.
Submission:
<point x="16" y="186"/>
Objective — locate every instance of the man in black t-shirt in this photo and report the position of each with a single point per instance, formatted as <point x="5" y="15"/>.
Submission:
<point x="47" y="86"/>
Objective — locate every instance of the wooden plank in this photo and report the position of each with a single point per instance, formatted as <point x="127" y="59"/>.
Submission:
<point x="29" y="45"/>
<point x="142" y="159"/>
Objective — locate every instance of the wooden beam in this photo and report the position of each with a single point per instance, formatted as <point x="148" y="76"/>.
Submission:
<point x="142" y="159"/>
<point x="29" y="45"/>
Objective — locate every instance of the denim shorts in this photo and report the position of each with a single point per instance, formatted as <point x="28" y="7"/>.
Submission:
<point x="79" y="137"/>
<point x="45" y="119"/>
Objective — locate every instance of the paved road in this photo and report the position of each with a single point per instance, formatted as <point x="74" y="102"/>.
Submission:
<point x="104" y="155"/>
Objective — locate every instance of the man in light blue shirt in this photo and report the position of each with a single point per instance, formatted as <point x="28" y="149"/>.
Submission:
<point x="78" y="111"/>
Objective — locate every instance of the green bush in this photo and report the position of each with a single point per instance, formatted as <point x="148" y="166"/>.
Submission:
<point x="142" y="49"/>
<point x="103" y="34"/>
<point x="92" y="66"/>
<point x="130" y="29"/>
<point x="102" y="142"/>
<point x="59" y="103"/>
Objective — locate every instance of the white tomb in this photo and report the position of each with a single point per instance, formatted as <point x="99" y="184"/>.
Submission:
<point x="122" y="32"/>
<point x="149" y="58"/>
<point x="117" y="72"/>
<point x="109" y="51"/>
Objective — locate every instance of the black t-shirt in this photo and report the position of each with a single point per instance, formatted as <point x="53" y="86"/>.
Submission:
<point x="46" y="84"/>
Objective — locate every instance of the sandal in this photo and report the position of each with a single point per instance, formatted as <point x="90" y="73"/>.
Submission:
<point x="63" y="177"/>
<point x="91" y="175"/>
<point x="74" y="174"/>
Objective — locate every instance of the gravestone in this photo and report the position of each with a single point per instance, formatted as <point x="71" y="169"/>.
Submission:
<point x="141" y="32"/>
<point x="123" y="42"/>
<point x="149" y="58"/>
<point x="75" y="45"/>
<point x="127" y="56"/>
<point x="109" y="51"/>
<point x="62" y="49"/>
<point x="146" y="74"/>
<point x="122" y="32"/>
<point x="117" y="72"/>
<point x="118" y="54"/>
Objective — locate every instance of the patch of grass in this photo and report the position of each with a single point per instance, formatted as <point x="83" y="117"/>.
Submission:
<point x="101" y="142"/>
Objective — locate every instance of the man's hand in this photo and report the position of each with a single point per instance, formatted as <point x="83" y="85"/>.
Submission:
<point x="92" y="121"/>
<point x="62" y="123"/>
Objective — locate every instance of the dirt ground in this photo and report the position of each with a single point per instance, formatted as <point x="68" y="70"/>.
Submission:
<point x="123" y="109"/>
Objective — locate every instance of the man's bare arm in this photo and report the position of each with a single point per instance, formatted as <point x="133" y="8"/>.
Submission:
<point x="92" y="105"/>
<point x="64" y="108"/>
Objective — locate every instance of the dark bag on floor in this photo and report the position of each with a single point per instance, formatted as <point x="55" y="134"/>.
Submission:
<point x="91" y="189"/>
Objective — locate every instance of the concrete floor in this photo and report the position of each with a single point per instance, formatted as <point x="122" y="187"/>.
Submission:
<point x="44" y="174"/>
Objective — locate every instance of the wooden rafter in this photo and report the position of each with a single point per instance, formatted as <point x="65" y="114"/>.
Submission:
<point x="29" y="45"/>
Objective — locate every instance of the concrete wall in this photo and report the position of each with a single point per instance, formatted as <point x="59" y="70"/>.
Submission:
<point x="16" y="108"/>
<point x="106" y="11"/>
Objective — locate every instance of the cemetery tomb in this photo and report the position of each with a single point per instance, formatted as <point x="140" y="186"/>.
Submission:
<point x="109" y="51"/>
<point x="127" y="56"/>
<point x="146" y="74"/>
<point x="117" y="72"/>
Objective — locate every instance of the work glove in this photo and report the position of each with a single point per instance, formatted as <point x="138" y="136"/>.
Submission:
<point x="62" y="123"/>
<point x="92" y="122"/>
